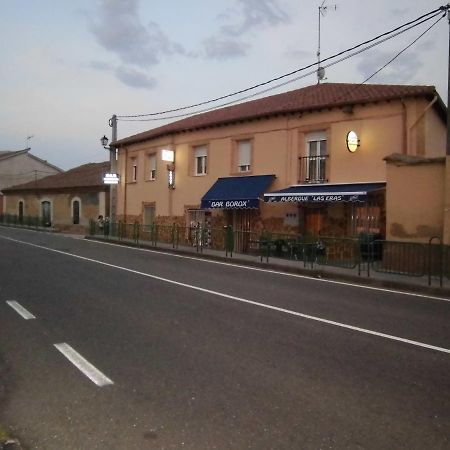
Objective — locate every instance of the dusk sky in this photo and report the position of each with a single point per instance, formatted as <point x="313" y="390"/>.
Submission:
<point x="67" y="66"/>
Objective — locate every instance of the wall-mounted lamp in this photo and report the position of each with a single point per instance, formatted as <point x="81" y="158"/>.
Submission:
<point x="168" y="155"/>
<point x="352" y="141"/>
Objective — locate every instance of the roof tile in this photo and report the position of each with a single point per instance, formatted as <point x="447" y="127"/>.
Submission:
<point x="87" y="175"/>
<point x="309" y="98"/>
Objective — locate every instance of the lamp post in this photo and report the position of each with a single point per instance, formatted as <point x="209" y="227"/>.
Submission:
<point x="113" y="166"/>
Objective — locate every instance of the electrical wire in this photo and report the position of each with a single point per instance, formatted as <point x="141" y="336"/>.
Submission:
<point x="411" y="24"/>
<point x="361" y="50"/>
<point x="403" y="50"/>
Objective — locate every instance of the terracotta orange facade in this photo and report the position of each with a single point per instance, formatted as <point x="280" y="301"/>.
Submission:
<point x="300" y="137"/>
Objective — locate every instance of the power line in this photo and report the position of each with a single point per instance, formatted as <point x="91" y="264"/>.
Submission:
<point x="416" y="22"/>
<point x="403" y="50"/>
<point x="361" y="50"/>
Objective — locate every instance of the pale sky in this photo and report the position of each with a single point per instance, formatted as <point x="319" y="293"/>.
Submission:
<point x="69" y="65"/>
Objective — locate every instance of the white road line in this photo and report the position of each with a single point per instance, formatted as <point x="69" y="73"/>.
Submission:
<point x="20" y="310"/>
<point x="274" y="272"/>
<point x="243" y="300"/>
<point x="83" y="365"/>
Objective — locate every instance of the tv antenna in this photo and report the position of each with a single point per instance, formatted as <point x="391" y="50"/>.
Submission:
<point x="28" y="140"/>
<point x="323" y="9"/>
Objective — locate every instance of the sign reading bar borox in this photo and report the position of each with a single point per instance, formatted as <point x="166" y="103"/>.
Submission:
<point x="230" y="204"/>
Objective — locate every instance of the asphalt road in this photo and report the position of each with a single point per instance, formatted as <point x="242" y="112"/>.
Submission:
<point x="180" y="353"/>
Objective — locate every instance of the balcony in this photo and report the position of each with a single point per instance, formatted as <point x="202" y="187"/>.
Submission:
<point x="313" y="169"/>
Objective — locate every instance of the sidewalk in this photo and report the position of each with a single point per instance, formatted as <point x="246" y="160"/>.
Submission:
<point x="361" y="274"/>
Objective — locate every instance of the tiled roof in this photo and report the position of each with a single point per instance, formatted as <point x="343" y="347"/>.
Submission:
<point x="87" y="175"/>
<point x="4" y="154"/>
<point x="316" y="97"/>
<point x="8" y="153"/>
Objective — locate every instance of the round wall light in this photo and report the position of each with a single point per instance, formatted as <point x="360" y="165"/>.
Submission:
<point x="352" y="141"/>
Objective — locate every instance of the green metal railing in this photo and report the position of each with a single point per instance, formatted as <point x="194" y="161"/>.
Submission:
<point x="21" y="221"/>
<point x="364" y="253"/>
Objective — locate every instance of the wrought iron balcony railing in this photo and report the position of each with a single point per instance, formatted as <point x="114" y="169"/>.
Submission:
<point x="313" y="169"/>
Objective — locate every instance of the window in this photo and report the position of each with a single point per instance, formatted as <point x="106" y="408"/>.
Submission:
<point x="152" y="167"/>
<point x="367" y="218"/>
<point x="316" y="148"/>
<point x="244" y="153"/>
<point x="200" y="159"/>
<point x="134" y="169"/>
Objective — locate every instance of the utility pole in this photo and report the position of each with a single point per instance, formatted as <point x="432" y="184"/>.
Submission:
<point x="448" y="84"/>
<point x="113" y="163"/>
<point x="446" y="230"/>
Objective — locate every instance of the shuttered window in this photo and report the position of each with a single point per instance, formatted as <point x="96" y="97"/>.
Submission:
<point x="200" y="159"/>
<point x="244" y="149"/>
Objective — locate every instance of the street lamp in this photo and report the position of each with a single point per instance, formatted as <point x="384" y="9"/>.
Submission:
<point x="104" y="140"/>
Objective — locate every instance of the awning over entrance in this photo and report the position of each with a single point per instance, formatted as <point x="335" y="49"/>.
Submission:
<point x="324" y="193"/>
<point x="236" y="192"/>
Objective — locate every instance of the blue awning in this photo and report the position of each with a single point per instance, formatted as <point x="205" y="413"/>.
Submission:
<point x="236" y="192"/>
<point x="324" y="193"/>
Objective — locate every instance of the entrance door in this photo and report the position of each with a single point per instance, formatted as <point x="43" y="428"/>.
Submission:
<point x="149" y="215"/>
<point x="242" y="226"/>
<point x="313" y="221"/>
<point x="76" y="212"/>
<point x="21" y="211"/>
<point x="46" y="214"/>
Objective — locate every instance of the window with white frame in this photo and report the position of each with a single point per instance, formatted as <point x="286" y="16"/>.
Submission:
<point x="244" y="155"/>
<point x="152" y="166"/>
<point x="316" y="149"/>
<point x="200" y="159"/>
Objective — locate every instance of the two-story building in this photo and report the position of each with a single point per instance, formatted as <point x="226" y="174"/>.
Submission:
<point x="21" y="166"/>
<point x="308" y="161"/>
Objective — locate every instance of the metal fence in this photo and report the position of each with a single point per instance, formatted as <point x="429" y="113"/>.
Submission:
<point x="21" y="221"/>
<point x="365" y="253"/>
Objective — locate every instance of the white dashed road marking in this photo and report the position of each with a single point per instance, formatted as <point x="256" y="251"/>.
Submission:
<point x="20" y="310"/>
<point x="84" y="365"/>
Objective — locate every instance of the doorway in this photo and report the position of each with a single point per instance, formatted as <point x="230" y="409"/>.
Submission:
<point x="76" y="212"/>
<point x="242" y="221"/>
<point x="46" y="214"/>
<point x="314" y="220"/>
